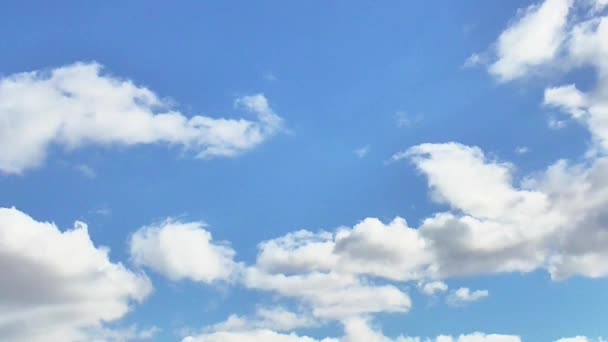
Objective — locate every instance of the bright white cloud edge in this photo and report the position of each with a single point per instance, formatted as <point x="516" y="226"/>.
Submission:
<point x="78" y="104"/>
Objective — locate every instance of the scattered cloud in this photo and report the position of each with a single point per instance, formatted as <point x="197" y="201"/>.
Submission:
<point x="521" y="150"/>
<point x="273" y="318"/>
<point x="464" y="295"/>
<point x="532" y="40"/>
<point x="86" y="170"/>
<point x="57" y="284"/>
<point x="551" y="35"/>
<point x="405" y="119"/>
<point x="362" y="151"/>
<point x="131" y="333"/>
<point x="580" y="339"/>
<point x="79" y="105"/>
<point x="553" y="220"/>
<point x="432" y="288"/>
<point x="102" y="211"/>
<point x="555" y="123"/>
<point x="182" y="251"/>
<point x="474" y="60"/>
<point x="355" y="330"/>
<point x="270" y="77"/>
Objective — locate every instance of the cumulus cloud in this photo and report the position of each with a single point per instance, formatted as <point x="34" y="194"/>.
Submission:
<point x="182" y="250"/>
<point x="552" y="220"/>
<point x="552" y="35"/>
<point x="580" y="339"/>
<point x="576" y="190"/>
<point x="131" y="333"/>
<point x="464" y="295"/>
<point x="533" y="39"/>
<point x="252" y="336"/>
<point x="364" y="249"/>
<point x="355" y="330"/>
<point x="58" y="285"/>
<point x="78" y="105"/>
<point x="272" y="318"/>
<point x="434" y="287"/>
<point x="331" y="295"/>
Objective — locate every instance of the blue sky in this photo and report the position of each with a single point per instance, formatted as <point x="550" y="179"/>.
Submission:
<point x="345" y="171"/>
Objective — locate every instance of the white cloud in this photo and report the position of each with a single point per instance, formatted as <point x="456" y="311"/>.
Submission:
<point x="362" y="151"/>
<point x="481" y="337"/>
<point x="57" y="285"/>
<point x="549" y="36"/>
<point x="464" y="295"/>
<point x="580" y="339"/>
<point x="556" y="124"/>
<point x="132" y="333"/>
<point x="533" y="39"/>
<point x="599" y="5"/>
<point x="272" y="318"/>
<point x="252" y="336"/>
<point x="78" y="105"/>
<point x="434" y="287"/>
<point x="270" y="77"/>
<point x="405" y="119"/>
<point x="580" y="193"/>
<point x="356" y="329"/>
<point x="331" y="295"/>
<point x="86" y="170"/>
<point x="473" y="60"/>
<point x="553" y="220"/>
<point x="363" y="250"/>
<point x="182" y="251"/>
<point x="588" y="45"/>
<point x="567" y="98"/>
<point x="522" y="150"/>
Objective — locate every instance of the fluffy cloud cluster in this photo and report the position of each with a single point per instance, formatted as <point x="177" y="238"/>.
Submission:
<point x="273" y="318"/>
<point x="553" y="220"/>
<point x="535" y="38"/>
<point x="561" y="35"/>
<point x="355" y="330"/>
<point x="76" y="105"/>
<point x="326" y="270"/>
<point x="464" y="295"/>
<point x="182" y="251"/>
<point x="56" y="284"/>
<point x="433" y="287"/>
<point x="492" y="222"/>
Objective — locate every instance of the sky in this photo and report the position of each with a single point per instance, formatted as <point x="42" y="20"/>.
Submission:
<point x="313" y="171"/>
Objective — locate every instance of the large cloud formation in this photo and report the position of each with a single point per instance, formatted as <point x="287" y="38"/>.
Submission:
<point x="57" y="285"/>
<point x="494" y="222"/>
<point x="77" y="104"/>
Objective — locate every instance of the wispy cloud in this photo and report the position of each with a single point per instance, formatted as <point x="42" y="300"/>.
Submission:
<point x="362" y="151"/>
<point x="86" y="170"/>
<point x="522" y="150"/>
<point x="405" y="119"/>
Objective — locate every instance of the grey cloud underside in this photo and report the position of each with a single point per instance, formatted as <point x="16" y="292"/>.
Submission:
<point x="58" y="284"/>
